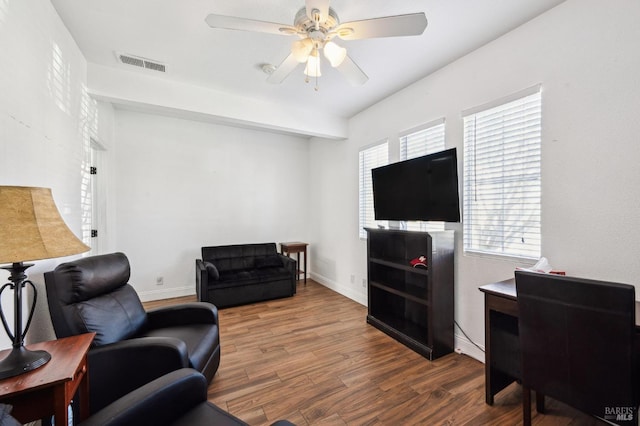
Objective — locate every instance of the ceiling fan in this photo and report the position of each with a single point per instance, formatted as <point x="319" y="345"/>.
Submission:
<point x="316" y="25"/>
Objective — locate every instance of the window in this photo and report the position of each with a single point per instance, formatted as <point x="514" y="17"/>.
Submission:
<point x="502" y="149"/>
<point x="369" y="158"/>
<point x="417" y="142"/>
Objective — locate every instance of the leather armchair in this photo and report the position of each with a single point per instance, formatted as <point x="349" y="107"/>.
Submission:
<point x="132" y="347"/>
<point x="177" y="398"/>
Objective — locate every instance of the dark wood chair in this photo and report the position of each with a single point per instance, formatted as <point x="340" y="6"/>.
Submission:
<point x="579" y="345"/>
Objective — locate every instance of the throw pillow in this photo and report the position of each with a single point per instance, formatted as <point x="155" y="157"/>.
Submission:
<point x="212" y="271"/>
<point x="268" y="261"/>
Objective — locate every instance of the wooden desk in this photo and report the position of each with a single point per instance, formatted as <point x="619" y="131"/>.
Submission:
<point x="48" y="390"/>
<point x="296" y="247"/>
<point x="501" y="338"/>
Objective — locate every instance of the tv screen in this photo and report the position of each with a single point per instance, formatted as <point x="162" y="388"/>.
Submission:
<point x="423" y="188"/>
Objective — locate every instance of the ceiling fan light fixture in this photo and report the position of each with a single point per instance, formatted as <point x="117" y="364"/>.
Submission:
<point x="316" y="24"/>
<point x="313" y="65"/>
<point x="301" y="49"/>
<point x="334" y="54"/>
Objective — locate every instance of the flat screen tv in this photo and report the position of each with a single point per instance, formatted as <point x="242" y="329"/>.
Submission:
<point x="423" y="188"/>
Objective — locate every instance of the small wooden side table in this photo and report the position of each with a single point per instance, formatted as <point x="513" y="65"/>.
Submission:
<point x="48" y="390"/>
<point x="296" y="247"/>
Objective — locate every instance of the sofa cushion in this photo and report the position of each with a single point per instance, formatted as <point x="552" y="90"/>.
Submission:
<point x="268" y="261"/>
<point x="237" y="257"/>
<point x="239" y="277"/>
<point x="212" y="271"/>
<point x="273" y="273"/>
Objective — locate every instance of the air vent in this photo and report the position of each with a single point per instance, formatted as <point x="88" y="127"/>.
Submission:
<point x="137" y="61"/>
<point x="154" y="66"/>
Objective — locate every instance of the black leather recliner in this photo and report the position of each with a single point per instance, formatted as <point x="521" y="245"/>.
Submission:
<point x="177" y="398"/>
<point x="93" y="295"/>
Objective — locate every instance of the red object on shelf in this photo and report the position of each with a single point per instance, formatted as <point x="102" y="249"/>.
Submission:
<point x="419" y="262"/>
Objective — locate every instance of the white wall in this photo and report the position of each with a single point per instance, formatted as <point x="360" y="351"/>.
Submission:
<point x="181" y="185"/>
<point x="44" y="123"/>
<point x="585" y="55"/>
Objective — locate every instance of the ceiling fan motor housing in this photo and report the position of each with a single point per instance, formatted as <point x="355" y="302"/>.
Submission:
<point x="306" y="25"/>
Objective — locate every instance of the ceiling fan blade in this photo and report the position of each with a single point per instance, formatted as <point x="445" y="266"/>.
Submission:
<point x="284" y="69"/>
<point x="233" y="23"/>
<point x="388" y="26"/>
<point x="352" y="72"/>
<point x="321" y="5"/>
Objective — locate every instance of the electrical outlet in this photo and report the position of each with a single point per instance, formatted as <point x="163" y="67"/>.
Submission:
<point x="353" y="279"/>
<point x="160" y="281"/>
<point x="364" y="282"/>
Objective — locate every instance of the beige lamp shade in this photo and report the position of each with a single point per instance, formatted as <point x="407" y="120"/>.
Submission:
<point x="31" y="227"/>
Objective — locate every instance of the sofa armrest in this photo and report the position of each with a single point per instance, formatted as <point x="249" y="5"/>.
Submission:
<point x="289" y="263"/>
<point x="160" y="401"/>
<point x="183" y="314"/>
<point x="202" y="279"/>
<point x="292" y="266"/>
<point x="118" y="368"/>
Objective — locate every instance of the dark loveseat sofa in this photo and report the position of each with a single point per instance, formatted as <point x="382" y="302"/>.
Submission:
<point x="244" y="273"/>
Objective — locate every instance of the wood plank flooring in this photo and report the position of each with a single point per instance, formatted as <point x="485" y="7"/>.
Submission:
<point x="313" y="359"/>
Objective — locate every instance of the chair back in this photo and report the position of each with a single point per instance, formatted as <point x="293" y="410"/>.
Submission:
<point x="92" y="294"/>
<point x="577" y="339"/>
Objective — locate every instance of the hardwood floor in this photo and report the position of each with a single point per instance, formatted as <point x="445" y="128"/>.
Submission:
<point x="313" y="359"/>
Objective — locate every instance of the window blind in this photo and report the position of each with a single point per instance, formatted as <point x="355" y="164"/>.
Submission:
<point x="369" y="158"/>
<point x="423" y="140"/>
<point x="502" y="178"/>
<point x="417" y="142"/>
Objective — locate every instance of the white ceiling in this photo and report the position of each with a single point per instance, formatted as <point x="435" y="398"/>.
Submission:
<point x="175" y="33"/>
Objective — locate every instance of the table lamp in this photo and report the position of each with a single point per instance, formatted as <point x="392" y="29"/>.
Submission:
<point x="30" y="229"/>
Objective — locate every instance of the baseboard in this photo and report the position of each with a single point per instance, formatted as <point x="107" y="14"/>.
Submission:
<point x="463" y="345"/>
<point x="345" y="291"/>
<point x="166" y="293"/>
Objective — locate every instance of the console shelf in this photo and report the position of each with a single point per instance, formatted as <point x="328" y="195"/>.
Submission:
<point x="412" y="305"/>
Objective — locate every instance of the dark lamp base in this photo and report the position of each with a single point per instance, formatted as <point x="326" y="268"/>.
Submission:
<point x="21" y="360"/>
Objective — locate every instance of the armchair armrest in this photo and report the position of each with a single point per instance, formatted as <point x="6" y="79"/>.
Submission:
<point x="118" y="368"/>
<point x="161" y="401"/>
<point x="183" y="314"/>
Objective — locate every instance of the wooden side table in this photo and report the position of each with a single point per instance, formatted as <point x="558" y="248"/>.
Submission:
<point x="296" y="247"/>
<point x="48" y="390"/>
